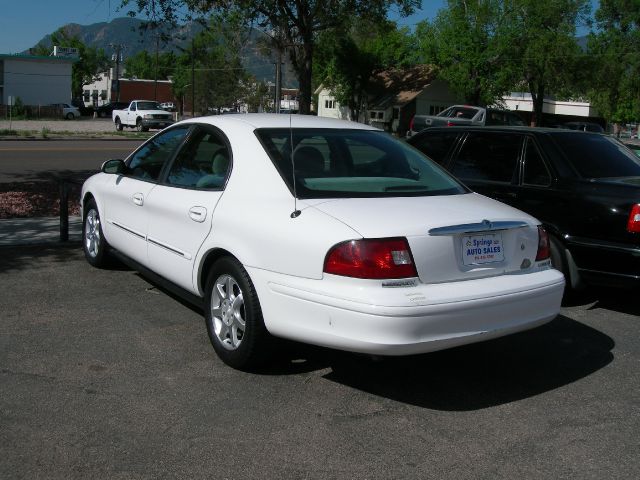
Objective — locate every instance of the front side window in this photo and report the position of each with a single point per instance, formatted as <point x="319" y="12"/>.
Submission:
<point x="488" y="156"/>
<point x="331" y="163"/>
<point x="203" y="163"/>
<point x="146" y="163"/>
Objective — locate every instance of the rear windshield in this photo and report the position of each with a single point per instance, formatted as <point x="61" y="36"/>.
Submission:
<point x="598" y="156"/>
<point x="459" y="112"/>
<point x="332" y="163"/>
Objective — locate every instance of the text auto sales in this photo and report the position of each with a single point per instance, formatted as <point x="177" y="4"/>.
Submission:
<point x="483" y="247"/>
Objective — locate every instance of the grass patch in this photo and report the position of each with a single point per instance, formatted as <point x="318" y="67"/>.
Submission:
<point x="6" y="131"/>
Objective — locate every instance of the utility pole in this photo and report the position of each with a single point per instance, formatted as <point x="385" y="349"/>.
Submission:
<point x="118" y="58"/>
<point x="155" y="82"/>
<point x="193" y="79"/>
<point x="278" y="92"/>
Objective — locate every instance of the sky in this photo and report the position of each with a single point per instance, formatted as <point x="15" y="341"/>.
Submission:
<point x="24" y="22"/>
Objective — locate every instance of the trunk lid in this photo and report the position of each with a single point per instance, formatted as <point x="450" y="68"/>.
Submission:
<point x="455" y="237"/>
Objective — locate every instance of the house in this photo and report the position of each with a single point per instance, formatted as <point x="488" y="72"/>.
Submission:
<point x="394" y="97"/>
<point x="104" y="90"/>
<point x="397" y="95"/>
<point x="328" y="105"/>
<point x="36" y="80"/>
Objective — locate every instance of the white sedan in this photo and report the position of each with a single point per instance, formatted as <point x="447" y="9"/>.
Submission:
<point x="321" y="231"/>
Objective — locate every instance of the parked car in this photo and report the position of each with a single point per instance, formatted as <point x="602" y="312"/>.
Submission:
<point x="634" y="147"/>
<point x="583" y="186"/>
<point x="67" y="111"/>
<point x="85" y="111"/>
<point x="321" y="231"/>
<point x="584" y="126"/>
<point x="141" y="115"/>
<point x="460" y="115"/>
<point x="104" y="111"/>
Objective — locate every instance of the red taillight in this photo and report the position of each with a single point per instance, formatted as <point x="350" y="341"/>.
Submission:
<point x="544" y="247"/>
<point x="633" y="225"/>
<point x="373" y="259"/>
<point x="451" y="124"/>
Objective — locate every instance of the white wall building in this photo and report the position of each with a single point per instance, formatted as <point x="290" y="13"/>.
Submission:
<point x="99" y="92"/>
<point x="522" y="102"/>
<point x="35" y="80"/>
<point x="329" y="107"/>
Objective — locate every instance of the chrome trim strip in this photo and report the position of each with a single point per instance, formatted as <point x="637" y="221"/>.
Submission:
<point x="184" y="255"/>
<point x="128" y="230"/>
<point x="484" y="226"/>
<point x="600" y="244"/>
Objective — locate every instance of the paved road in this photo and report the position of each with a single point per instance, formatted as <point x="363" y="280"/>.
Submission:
<point x="102" y="375"/>
<point x="43" y="159"/>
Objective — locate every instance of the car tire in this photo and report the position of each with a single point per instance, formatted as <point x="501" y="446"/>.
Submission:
<point x="70" y="116"/>
<point x="233" y="316"/>
<point x="139" y="126"/>
<point x="94" y="244"/>
<point x="118" y="124"/>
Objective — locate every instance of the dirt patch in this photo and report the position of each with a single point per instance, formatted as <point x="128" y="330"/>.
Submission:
<point x="35" y="199"/>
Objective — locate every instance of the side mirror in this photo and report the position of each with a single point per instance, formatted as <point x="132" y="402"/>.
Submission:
<point x="116" y="166"/>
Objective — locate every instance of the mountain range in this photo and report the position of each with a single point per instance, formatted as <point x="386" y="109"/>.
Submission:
<point x="127" y="31"/>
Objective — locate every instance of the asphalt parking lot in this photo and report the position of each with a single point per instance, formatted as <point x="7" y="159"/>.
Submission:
<point x="103" y="375"/>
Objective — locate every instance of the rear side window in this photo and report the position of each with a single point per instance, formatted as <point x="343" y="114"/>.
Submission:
<point x="597" y="156"/>
<point x="435" y="145"/>
<point x="488" y="156"/>
<point x="203" y="163"/>
<point x="535" y="170"/>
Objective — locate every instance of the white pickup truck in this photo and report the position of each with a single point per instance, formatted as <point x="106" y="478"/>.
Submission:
<point x="142" y="115"/>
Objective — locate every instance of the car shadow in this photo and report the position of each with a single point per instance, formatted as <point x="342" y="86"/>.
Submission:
<point x="620" y="300"/>
<point x="23" y="257"/>
<point x="472" y="377"/>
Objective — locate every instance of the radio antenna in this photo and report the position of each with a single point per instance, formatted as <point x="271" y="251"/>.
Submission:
<point x="296" y="213"/>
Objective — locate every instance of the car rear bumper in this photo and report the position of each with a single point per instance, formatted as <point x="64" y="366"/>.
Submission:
<point x="406" y="320"/>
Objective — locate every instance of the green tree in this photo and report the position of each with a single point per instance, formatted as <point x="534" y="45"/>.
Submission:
<point x="541" y="42"/>
<point x="614" y="49"/>
<point x="347" y="59"/>
<point x="143" y="65"/>
<point x="219" y="74"/>
<point x="462" y="41"/>
<point x="90" y="64"/>
<point x="297" y="22"/>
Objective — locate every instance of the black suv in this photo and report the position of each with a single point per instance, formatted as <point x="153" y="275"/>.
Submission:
<point x="584" y="187"/>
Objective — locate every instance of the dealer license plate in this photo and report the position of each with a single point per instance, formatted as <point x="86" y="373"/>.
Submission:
<point x="479" y="249"/>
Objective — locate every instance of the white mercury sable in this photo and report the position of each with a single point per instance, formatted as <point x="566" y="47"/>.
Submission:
<point x="322" y="231"/>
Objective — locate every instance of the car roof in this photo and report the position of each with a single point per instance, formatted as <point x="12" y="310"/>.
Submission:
<point x="274" y="120"/>
<point x="506" y="128"/>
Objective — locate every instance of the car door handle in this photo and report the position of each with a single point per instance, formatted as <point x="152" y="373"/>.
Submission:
<point x="138" y="199"/>
<point x="198" y="214"/>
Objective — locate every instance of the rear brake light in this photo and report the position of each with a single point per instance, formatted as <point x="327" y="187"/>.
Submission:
<point x="544" y="247"/>
<point x="633" y="225"/>
<point x="372" y="259"/>
<point x="451" y="124"/>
